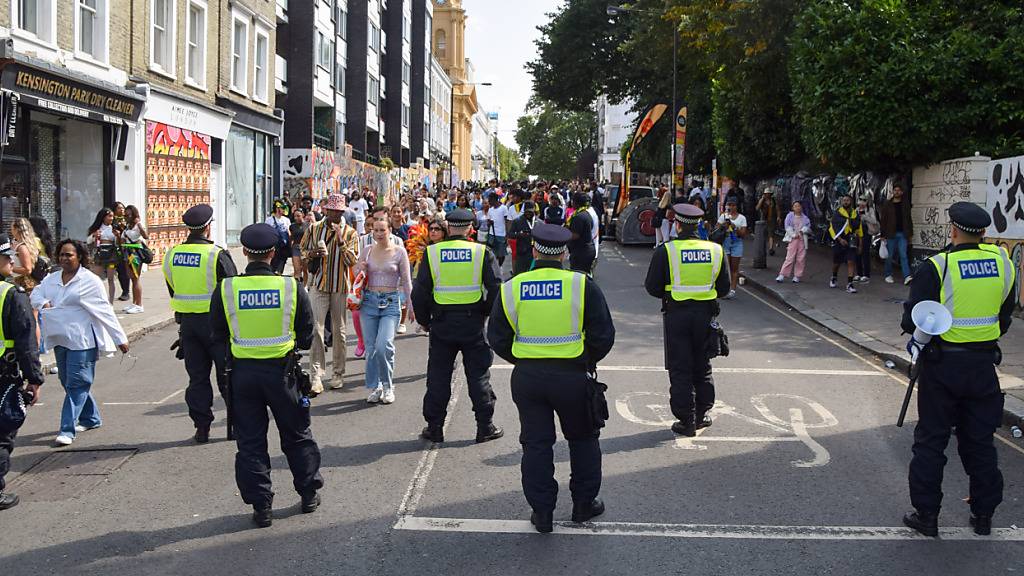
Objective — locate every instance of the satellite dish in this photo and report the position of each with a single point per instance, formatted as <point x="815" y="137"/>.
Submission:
<point x="931" y="319"/>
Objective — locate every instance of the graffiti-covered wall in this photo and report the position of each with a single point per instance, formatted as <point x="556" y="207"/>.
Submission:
<point x="936" y="188"/>
<point x="318" y="172"/>
<point x="1005" y="203"/>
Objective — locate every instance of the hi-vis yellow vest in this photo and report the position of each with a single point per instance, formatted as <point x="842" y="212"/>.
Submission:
<point x="693" y="266"/>
<point x="5" y="344"/>
<point x="191" y="271"/>
<point x="975" y="283"/>
<point x="545" y="309"/>
<point x="456" y="267"/>
<point x="261" y="315"/>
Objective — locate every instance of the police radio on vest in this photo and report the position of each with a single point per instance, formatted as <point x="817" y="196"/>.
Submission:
<point x="186" y="259"/>
<point x="456" y="255"/>
<point x="259" y="299"/>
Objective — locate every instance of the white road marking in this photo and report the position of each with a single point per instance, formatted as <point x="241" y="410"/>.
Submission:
<point x="157" y="403"/>
<point x="730" y="370"/>
<point x="418" y="484"/>
<point x="821" y="456"/>
<point x="718" y="531"/>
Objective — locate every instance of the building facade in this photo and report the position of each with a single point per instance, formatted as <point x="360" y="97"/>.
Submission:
<point x="440" y="118"/>
<point x="614" y="126"/>
<point x="484" y="154"/>
<point x="450" y="50"/>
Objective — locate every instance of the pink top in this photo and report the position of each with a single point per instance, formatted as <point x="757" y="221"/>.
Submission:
<point x="385" y="274"/>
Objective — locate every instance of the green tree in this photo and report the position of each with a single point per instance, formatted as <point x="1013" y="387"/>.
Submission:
<point x="512" y="166"/>
<point x="552" y="139"/>
<point x="896" y="83"/>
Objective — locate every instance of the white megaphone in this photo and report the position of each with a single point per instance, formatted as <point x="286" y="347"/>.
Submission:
<point x="931" y="319"/>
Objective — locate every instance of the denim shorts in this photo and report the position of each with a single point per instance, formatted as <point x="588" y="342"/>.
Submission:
<point x="733" y="246"/>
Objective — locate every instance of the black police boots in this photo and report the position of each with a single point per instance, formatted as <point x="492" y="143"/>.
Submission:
<point x="8" y="500"/>
<point x="488" y="432"/>
<point x="310" y="502"/>
<point x="263" y="517"/>
<point x="982" y="524"/>
<point x="202" y="434"/>
<point x="703" y="421"/>
<point x="543" y="521"/>
<point x="927" y="524"/>
<point x="583" y="511"/>
<point x="433" y="433"/>
<point x="685" y="428"/>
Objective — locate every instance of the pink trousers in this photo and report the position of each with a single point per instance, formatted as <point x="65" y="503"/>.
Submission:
<point x="796" y="257"/>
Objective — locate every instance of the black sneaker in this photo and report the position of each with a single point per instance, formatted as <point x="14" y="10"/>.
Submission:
<point x="703" y="421"/>
<point x="433" y="433"/>
<point x="310" y="503"/>
<point x="927" y="524"/>
<point x="262" y="517"/>
<point x="685" y="429"/>
<point x="542" y="521"/>
<point x="982" y="524"/>
<point x="124" y="297"/>
<point x="488" y="432"/>
<point x="8" y="500"/>
<point x="583" y="511"/>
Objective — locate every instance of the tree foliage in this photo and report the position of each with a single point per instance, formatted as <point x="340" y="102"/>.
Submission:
<point x="553" y="138"/>
<point x="511" y="163"/>
<point x="890" y="83"/>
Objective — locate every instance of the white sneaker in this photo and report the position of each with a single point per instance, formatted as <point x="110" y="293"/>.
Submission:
<point x="730" y="295"/>
<point x="401" y="329"/>
<point x="374" y="396"/>
<point x="889" y="280"/>
<point x="54" y="370"/>
<point x="134" y="309"/>
<point x="796" y="279"/>
<point x="865" y="279"/>
<point x="80" y="428"/>
<point x="780" y="278"/>
<point x="832" y="283"/>
<point x="64" y="440"/>
<point x="908" y="280"/>
<point x="856" y="278"/>
<point x="388" y="397"/>
<point x="850" y="288"/>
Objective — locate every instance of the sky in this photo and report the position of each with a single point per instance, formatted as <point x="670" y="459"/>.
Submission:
<point x="499" y="42"/>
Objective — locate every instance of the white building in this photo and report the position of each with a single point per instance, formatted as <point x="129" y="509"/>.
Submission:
<point x="614" y="126"/>
<point x="440" y="115"/>
<point x="483" y="155"/>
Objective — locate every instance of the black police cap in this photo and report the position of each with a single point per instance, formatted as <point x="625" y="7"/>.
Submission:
<point x="969" y="217"/>
<point x="259" y="238"/>
<point x="550" y="238"/>
<point x="459" y="217"/>
<point x="198" y="216"/>
<point x="5" y="246"/>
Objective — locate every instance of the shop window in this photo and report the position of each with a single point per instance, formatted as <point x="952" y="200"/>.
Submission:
<point x="163" y="27"/>
<point x="35" y="17"/>
<point x="239" y="53"/>
<point x="195" y="47"/>
<point x="92" y="24"/>
<point x="261" y="64"/>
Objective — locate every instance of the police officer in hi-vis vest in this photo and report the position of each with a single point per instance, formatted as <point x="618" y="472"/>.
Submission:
<point x="19" y="356"/>
<point x="958" y="386"/>
<point x="452" y="295"/>
<point x="688" y="275"/>
<point x="267" y="317"/>
<point x="192" y="270"/>
<point x="554" y="325"/>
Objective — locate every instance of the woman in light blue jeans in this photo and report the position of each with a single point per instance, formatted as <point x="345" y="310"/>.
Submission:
<point x="386" y="264"/>
<point x="78" y="323"/>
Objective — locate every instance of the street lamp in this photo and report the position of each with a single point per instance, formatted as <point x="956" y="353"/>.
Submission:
<point x="617" y="10"/>
<point x="451" y="131"/>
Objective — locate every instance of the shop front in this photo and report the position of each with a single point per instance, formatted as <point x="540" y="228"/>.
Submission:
<point x="62" y="134"/>
<point x="184" y="166"/>
<point x="251" y="162"/>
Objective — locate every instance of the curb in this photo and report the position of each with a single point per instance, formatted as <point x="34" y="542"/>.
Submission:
<point x="1013" y="407"/>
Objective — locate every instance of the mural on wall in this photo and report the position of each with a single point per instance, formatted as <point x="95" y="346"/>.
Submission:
<point x="1006" y="197"/>
<point x="318" y="172"/>
<point x="177" y="178"/>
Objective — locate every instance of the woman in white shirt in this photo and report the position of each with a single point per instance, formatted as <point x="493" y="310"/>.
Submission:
<point x="78" y="324"/>
<point x="358" y="206"/>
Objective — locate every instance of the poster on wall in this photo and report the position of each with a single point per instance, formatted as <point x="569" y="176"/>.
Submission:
<point x="177" y="178"/>
<point x="1005" y="200"/>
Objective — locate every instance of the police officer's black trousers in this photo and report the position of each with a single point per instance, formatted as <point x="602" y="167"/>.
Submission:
<point x="464" y="334"/>
<point x="201" y="354"/>
<point x="958" y="389"/>
<point x="692" y="388"/>
<point x="255" y="386"/>
<point x="6" y="447"/>
<point x="539" y="394"/>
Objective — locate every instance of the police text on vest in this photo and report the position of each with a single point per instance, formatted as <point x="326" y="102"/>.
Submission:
<point x="456" y="255"/>
<point x="259" y="299"/>
<point x="970" y="269"/>
<point x="541" y="290"/>
<point x="186" y="259"/>
<point x="697" y="256"/>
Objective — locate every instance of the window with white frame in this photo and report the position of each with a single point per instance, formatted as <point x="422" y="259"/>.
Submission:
<point x="325" y="51"/>
<point x="195" y="45"/>
<point x="261" y="65"/>
<point x="91" y="35"/>
<point x="341" y="22"/>
<point x="405" y="115"/>
<point x="373" y="91"/>
<point x="163" y="27"/>
<point x="406" y="72"/>
<point x="35" y="17"/>
<point x="239" y="53"/>
<point x="374" y="38"/>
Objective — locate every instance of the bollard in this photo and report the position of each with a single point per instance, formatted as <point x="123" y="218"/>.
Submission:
<point x="760" y="244"/>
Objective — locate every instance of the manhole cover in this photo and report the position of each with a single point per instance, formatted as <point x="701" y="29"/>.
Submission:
<point x="68" y="474"/>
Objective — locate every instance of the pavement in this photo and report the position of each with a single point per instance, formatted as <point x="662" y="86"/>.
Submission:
<point x="802" y="472"/>
<point x="870" y="319"/>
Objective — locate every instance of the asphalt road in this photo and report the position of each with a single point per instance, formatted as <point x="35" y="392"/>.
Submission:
<point x="803" y="472"/>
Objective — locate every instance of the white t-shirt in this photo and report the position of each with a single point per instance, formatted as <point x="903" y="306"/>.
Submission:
<point x="359" y="208"/>
<point x="497" y="217"/>
<point x="596" y="229"/>
<point x="280" y="224"/>
<point x="740" y="221"/>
